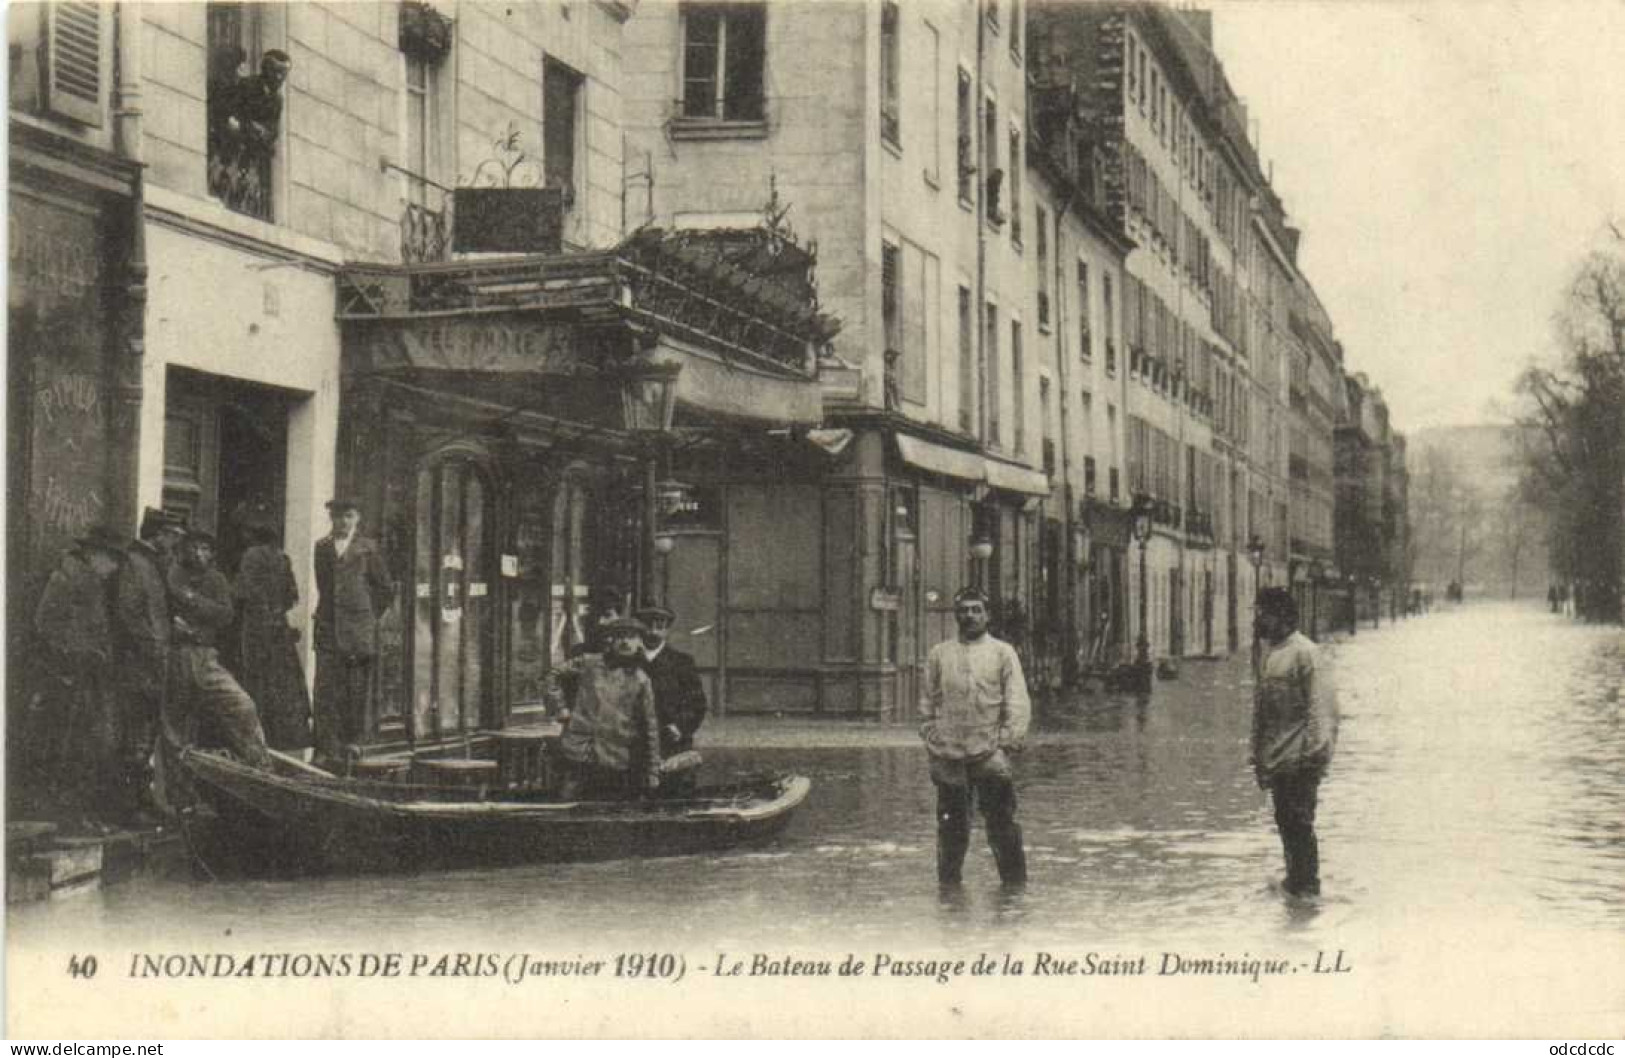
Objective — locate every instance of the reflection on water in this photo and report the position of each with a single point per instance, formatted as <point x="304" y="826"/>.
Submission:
<point x="1478" y="774"/>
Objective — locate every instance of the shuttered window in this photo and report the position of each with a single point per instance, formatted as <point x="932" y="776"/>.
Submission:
<point x="75" y="74"/>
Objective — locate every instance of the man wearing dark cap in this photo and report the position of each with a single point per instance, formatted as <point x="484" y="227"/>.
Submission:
<point x="352" y="593"/>
<point x="141" y="610"/>
<point x="975" y="713"/>
<point x="679" y="693"/>
<point x="75" y="733"/>
<point x="201" y="690"/>
<point x="611" y="741"/>
<point x="1294" y="733"/>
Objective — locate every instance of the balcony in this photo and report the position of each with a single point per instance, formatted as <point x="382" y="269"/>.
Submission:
<point x="425" y="233"/>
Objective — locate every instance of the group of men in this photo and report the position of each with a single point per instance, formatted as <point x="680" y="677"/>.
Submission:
<point x="129" y="635"/>
<point x="975" y="712"/>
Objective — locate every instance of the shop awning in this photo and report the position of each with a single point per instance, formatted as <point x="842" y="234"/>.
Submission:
<point x="968" y="466"/>
<point x="741" y="392"/>
<point x="1012" y="478"/>
<point x="940" y="459"/>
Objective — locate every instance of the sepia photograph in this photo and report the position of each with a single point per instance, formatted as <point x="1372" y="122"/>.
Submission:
<point x="815" y="519"/>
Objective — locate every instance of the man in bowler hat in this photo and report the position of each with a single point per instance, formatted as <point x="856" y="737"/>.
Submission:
<point x="679" y="693"/>
<point x="352" y="593"/>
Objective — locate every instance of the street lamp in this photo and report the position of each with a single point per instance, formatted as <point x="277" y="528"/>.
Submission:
<point x="1143" y="507"/>
<point x="1352" y="582"/>
<point x="1255" y="555"/>
<point x="648" y="404"/>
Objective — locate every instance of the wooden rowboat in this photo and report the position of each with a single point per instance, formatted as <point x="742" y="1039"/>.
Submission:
<point x="301" y="820"/>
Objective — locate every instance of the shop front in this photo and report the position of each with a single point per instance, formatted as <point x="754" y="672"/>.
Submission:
<point x="74" y="342"/>
<point x="511" y="431"/>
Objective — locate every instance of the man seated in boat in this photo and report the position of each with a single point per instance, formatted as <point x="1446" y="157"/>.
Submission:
<point x="611" y="740"/>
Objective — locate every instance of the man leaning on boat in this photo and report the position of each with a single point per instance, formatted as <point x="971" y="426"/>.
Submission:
<point x="201" y="690"/>
<point x="611" y="741"/>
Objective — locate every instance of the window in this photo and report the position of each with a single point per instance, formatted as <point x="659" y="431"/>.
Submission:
<point x="1131" y="83"/>
<point x="1014" y="173"/>
<point x="243" y="126"/>
<point x="75" y="75"/>
<point x="967" y="167"/>
<point x="1085" y="339"/>
<point x="890" y="59"/>
<point x="993" y="367"/>
<point x="967" y="362"/>
<point x="1041" y="234"/>
<point x="919" y="293"/>
<point x="891" y="297"/>
<point x="1140" y="98"/>
<point x="1018" y="386"/>
<point x="1015" y="30"/>
<point x="561" y="101"/>
<point x="990" y="161"/>
<point x="1107" y="316"/>
<point x="1086" y="421"/>
<point x="723" y="55"/>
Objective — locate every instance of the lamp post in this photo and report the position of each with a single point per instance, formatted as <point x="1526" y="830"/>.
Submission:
<point x="980" y="545"/>
<point x="1376" y="602"/>
<point x="1143" y="507"/>
<point x="1314" y="598"/>
<point x="1083" y="545"/>
<point x="648" y="403"/>
<point x="1352" y="583"/>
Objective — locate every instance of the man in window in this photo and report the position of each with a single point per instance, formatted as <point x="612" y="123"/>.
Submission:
<point x="973" y="716"/>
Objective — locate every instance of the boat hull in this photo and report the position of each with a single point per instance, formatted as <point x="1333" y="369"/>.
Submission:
<point x="277" y="824"/>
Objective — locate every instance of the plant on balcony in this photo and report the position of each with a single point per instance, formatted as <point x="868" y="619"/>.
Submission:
<point x="424" y="33"/>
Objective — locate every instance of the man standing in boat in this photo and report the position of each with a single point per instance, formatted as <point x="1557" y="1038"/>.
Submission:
<point x="973" y="716"/>
<point x="352" y="593"/>
<point x="679" y="694"/>
<point x="611" y="741"/>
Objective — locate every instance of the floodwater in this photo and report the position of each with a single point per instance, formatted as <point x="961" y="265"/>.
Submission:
<point x="1472" y="831"/>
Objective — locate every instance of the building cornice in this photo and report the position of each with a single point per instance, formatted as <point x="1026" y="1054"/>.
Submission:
<point x="215" y="223"/>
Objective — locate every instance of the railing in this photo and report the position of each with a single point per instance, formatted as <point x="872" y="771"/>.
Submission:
<point x="425" y="231"/>
<point x="239" y="170"/>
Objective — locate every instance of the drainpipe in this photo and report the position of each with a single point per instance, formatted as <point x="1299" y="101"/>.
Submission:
<point x="1069" y="661"/>
<point x="127" y="359"/>
<point x="979" y="117"/>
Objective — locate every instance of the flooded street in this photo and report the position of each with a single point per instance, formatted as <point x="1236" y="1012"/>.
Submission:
<point x="1472" y="832"/>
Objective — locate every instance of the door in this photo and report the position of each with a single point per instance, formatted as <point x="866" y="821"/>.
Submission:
<point x="1230" y="600"/>
<point x="452" y="637"/>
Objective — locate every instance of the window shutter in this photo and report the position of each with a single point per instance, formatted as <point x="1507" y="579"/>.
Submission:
<point x="75" y="76"/>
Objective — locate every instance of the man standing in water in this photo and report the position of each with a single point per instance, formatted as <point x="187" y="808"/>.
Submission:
<point x="1294" y="732"/>
<point x="974" y="714"/>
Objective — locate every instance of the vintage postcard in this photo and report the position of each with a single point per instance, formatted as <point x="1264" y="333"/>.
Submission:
<point x="858" y="518"/>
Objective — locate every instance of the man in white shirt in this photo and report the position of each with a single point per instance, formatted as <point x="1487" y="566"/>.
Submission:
<point x="975" y="712"/>
<point x="1294" y="733"/>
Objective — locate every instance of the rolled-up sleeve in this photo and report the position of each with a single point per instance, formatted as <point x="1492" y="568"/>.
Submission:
<point x="1018" y="707"/>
